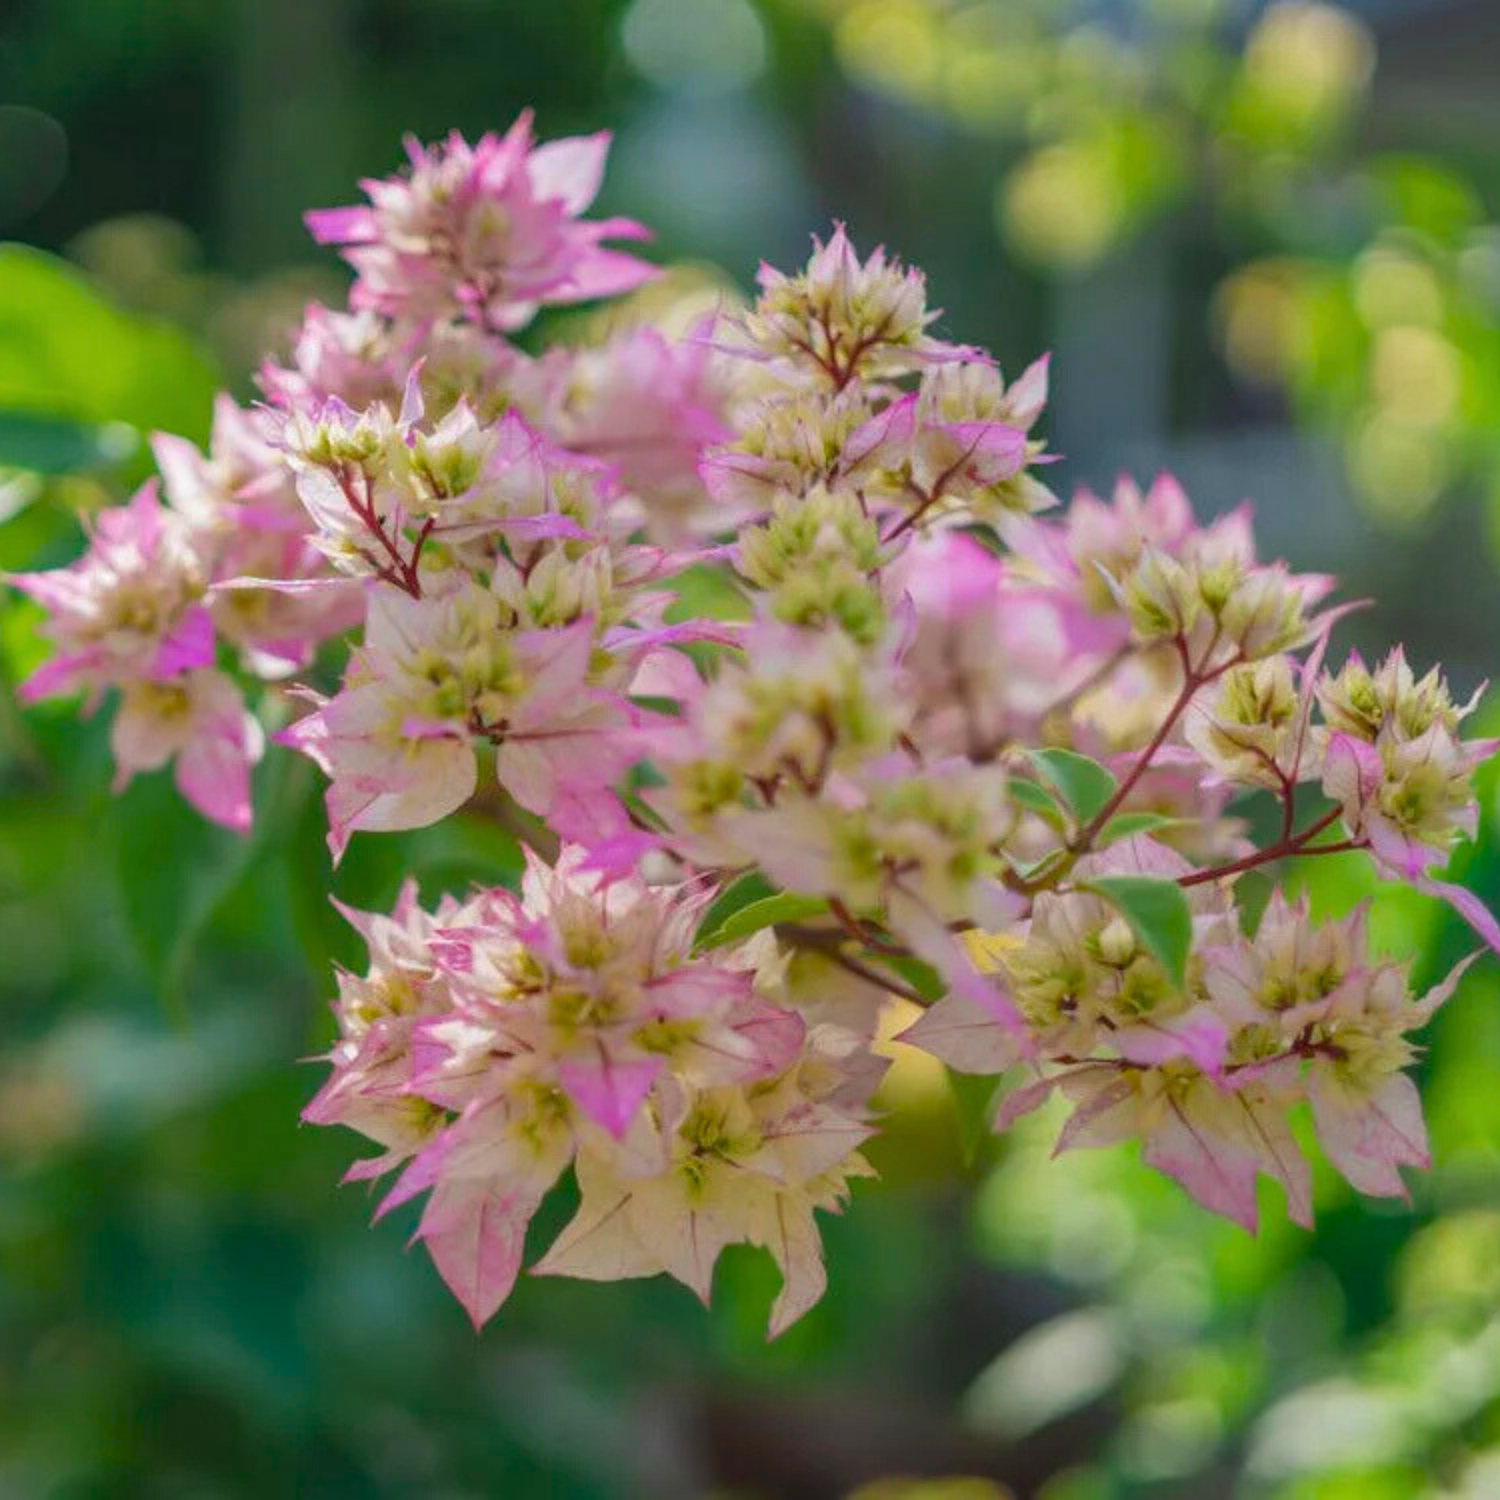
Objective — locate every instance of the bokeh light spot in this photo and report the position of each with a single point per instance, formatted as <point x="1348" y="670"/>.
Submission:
<point x="893" y="44"/>
<point x="1415" y="375"/>
<point x="1398" y="468"/>
<point x="1393" y="288"/>
<point x="1061" y="206"/>
<point x="695" y="46"/>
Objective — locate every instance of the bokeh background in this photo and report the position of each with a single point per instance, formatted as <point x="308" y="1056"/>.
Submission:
<point x="1261" y="241"/>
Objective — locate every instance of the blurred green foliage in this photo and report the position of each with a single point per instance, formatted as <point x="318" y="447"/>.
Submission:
<point x="188" y="1304"/>
<point x="1366" y="279"/>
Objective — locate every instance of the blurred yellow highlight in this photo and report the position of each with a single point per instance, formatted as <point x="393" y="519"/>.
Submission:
<point x="1306" y="67"/>
<point x="1415" y="375"/>
<point x="1392" y="288"/>
<point x="1062" y="205"/>
<point x="1257" y="315"/>
<point x="892" y="43"/>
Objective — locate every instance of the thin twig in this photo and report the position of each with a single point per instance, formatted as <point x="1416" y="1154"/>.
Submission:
<point x="888" y="983"/>
<point x="1300" y="844"/>
<point x="829" y="944"/>
<point x="1194" y="681"/>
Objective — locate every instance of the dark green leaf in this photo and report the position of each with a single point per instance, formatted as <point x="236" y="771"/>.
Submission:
<point x="785" y="906"/>
<point x="922" y="977"/>
<point x="52" y="445"/>
<point x="1158" y="913"/>
<point x="974" y="1106"/>
<point x="652" y="704"/>
<point x="1082" y="783"/>
<point x="176" y="870"/>
<point x="740" y="893"/>
<point x="461" y="852"/>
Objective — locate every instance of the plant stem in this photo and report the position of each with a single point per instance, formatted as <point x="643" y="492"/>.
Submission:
<point x="830" y="945"/>
<point x="1297" y="844"/>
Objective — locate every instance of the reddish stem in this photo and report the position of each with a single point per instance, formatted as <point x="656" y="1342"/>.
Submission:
<point x="399" y="571"/>
<point x="909" y="521"/>
<point x="1091" y="830"/>
<point x="1298" y="844"/>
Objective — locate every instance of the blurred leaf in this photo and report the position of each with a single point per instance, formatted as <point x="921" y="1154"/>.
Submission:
<point x="171" y="866"/>
<point x="50" y="445"/>
<point x="23" y="648"/>
<point x="973" y="1102"/>
<point x="705" y="592"/>
<point x="67" y="352"/>
<point x="956" y="1488"/>
<point x="1036" y="798"/>
<point x="922" y="977"/>
<point x="785" y="906"/>
<point x="1428" y="195"/>
<point x="1083" y="783"/>
<point x="177" y="870"/>
<point x="1158" y="913"/>
<point x="465" y="850"/>
<point x="368" y="878"/>
<point x="1127" y="825"/>
<point x="1054" y="1368"/>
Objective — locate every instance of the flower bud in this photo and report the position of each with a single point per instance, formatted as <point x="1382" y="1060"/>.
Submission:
<point x="1247" y="721"/>
<point x="1161" y="598"/>
<point x="1360" y="702"/>
<point x="1115" y="944"/>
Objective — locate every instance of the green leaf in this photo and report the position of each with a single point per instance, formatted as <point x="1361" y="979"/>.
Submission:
<point x="52" y="445"/>
<point x="1127" y="825"/>
<point x="67" y="352"/>
<point x="974" y="1106"/>
<point x="705" y="592"/>
<point x="1083" y="783"/>
<point x="1030" y="869"/>
<point x="1430" y="196"/>
<point x="922" y="977"/>
<point x="461" y="852"/>
<point x="1158" y="913"/>
<point x="748" y="888"/>
<point x="1036" y="798"/>
<point x="785" y="906"/>
<point x="656" y="705"/>
<point x="177" y="871"/>
<point x="645" y="774"/>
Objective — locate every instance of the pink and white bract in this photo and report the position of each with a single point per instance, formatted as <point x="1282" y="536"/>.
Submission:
<point x="947" y="743"/>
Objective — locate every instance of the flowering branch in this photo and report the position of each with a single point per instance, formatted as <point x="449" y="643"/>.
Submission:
<point x="898" y="732"/>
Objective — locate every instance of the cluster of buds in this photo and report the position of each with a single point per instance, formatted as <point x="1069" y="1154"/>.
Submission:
<point x="950" y="746"/>
<point x="1393" y="759"/>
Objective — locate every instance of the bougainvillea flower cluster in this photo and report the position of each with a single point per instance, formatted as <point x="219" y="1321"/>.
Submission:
<point x="948" y="744"/>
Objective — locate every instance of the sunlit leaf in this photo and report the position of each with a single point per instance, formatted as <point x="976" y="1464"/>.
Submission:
<point x="67" y="352"/>
<point x="785" y="906"/>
